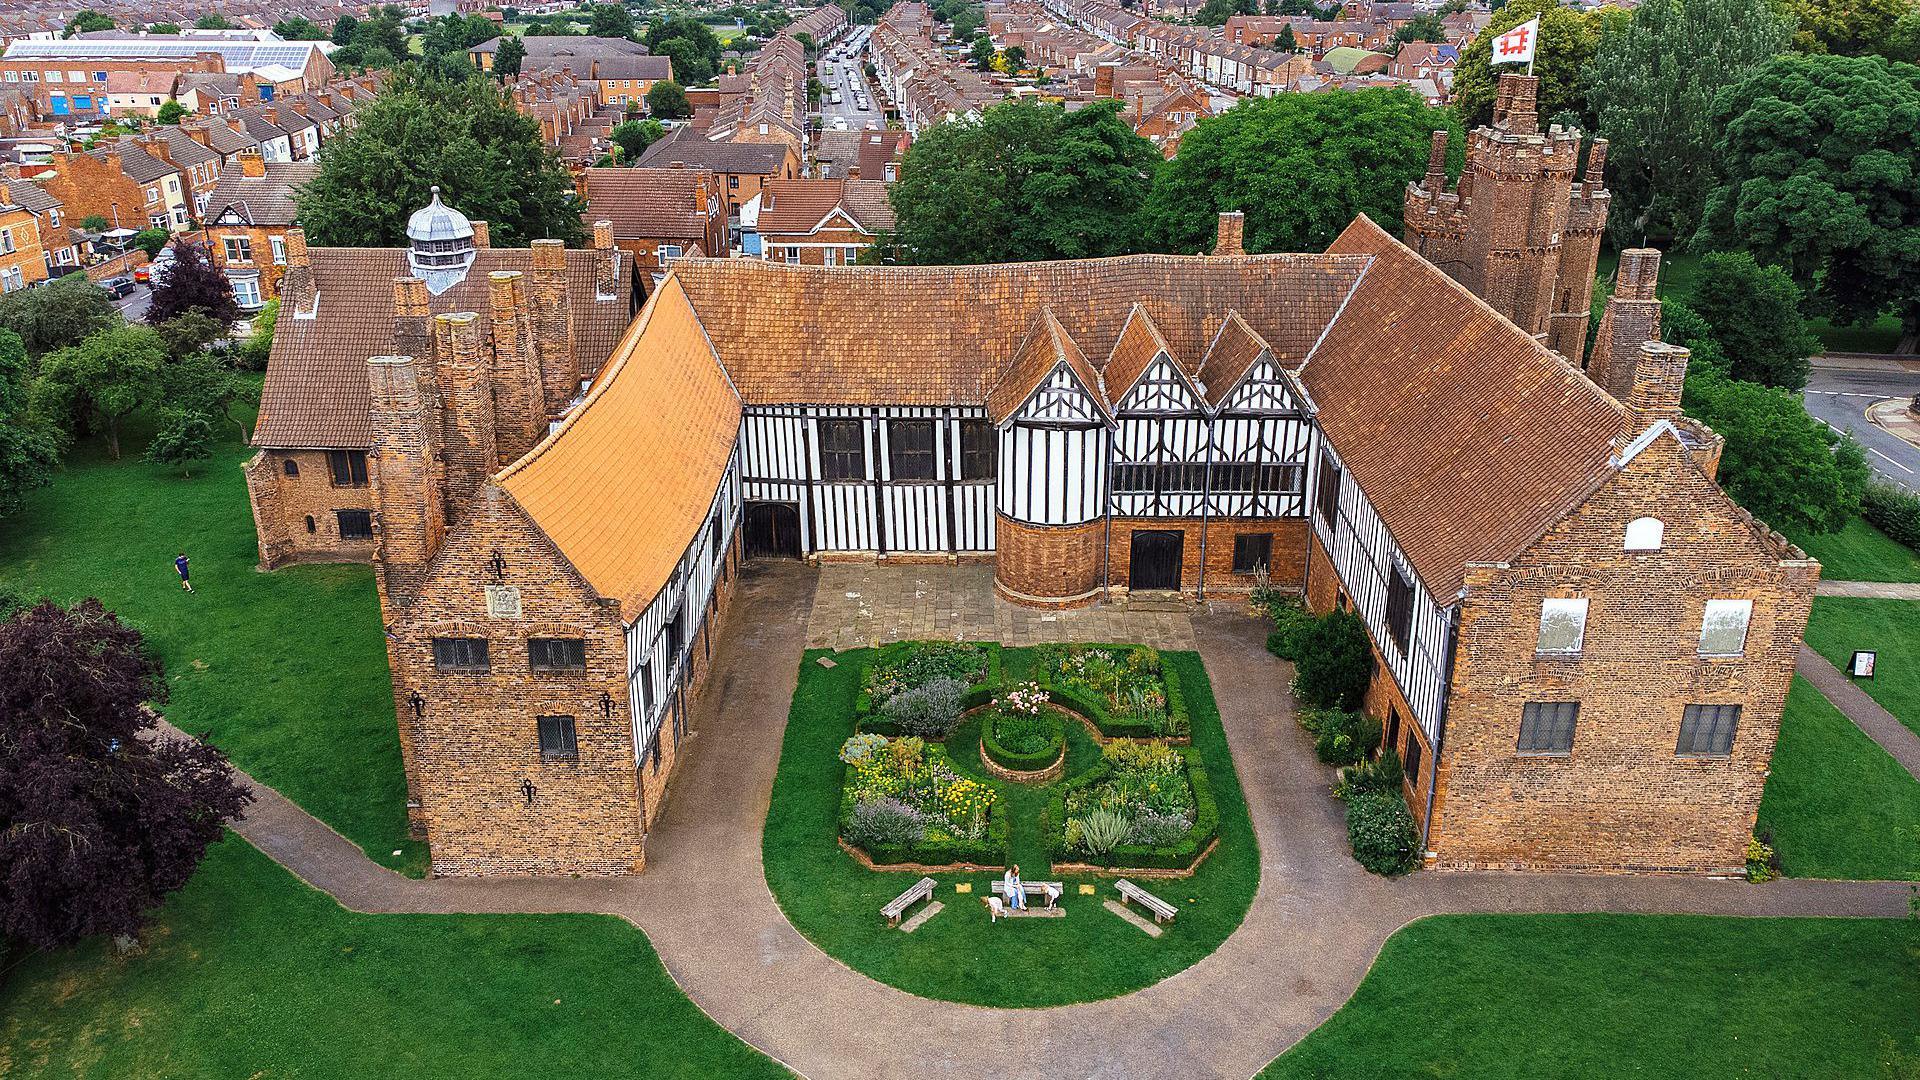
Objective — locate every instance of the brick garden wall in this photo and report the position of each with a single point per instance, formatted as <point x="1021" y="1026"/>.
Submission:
<point x="1286" y="570"/>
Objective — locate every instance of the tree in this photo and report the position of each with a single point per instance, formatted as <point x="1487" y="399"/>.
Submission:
<point x="453" y="35"/>
<point x="1651" y="86"/>
<point x="1902" y="43"/>
<point x="344" y="30"/>
<point x="1301" y="166"/>
<point x="508" y="57"/>
<point x="1024" y="181"/>
<point x="1816" y="162"/>
<point x="29" y="448"/>
<point x="253" y="350"/>
<point x="151" y="240"/>
<point x="60" y="313"/>
<point x="213" y="21"/>
<point x="102" y="380"/>
<point x="184" y="437"/>
<point x="1335" y="662"/>
<point x="164" y="28"/>
<point x="192" y="283"/>
<point x="1754" y="315"/>
<point x="171" y="111"/>
<point x="1013" y="59"/>
<point x="104" y="815"/>
<point x="87" y="22"/>
<point x="299" y="28"/>
<point x="981" y="53"/>
<point x="611" y="21"/>
<point x="1567" y="41"/>
<point x="691" y="45"/>
<point x="667" y="101"/>
<point x="1845" y="27"/>
<point x="1789" y="469"/>
<point x="1284" y="42"/>
<point x="190" y="332"/>
<point x="1217" y="12"/>
<point x="485" y="155"/>
<point x="204" y="384"/>
<point x="634" y="136"/>
<point x="1426" y="26"/>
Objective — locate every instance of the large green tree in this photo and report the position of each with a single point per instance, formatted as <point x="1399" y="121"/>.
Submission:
<point x="299" y="28"/>
<point x="667" y="101"/>
<point x="1818" y="170"/>
<point x="486" y="157"/>
<point x="610" y="20"/>
<point x="1300" y="166"/>
<point x="29" y="447"/>
<point x="691" y="44"/>
<point x="60" y="313"/>
<point x="1651" y="87"/>
<point x="1791" y="470"/>
<point x="509" y="56"/>
<point x="1847" y="27"/>
<point x="1567" y="42"/>
<point x="103" y="380"/>
<point x="87" y="22"/>
<point x="1754" y="313"/>
<point x="1024" y="181"/>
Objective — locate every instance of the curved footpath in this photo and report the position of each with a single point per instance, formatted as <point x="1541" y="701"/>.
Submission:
<point x="1315" y="925"/>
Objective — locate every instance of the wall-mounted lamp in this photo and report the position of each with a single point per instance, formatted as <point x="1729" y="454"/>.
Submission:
<point x="606" y="704"/>
<point x="527" y="789"/>
<point x="499" y="564"/>
<point x="419" y="704"/>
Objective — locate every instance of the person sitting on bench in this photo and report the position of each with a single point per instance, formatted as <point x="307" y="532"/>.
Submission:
<point x="1016" y="893"/>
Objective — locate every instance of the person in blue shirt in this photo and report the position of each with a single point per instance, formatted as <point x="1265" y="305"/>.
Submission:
<point x="180" y="567"/>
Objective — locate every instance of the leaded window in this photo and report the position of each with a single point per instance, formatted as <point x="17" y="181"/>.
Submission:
<point x="1707" y="730"/>
<point x="843" y="451"/>
<point x="1546" y="727"/>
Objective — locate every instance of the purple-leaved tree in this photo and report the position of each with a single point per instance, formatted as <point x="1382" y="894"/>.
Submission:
<point x="100" y="815"/>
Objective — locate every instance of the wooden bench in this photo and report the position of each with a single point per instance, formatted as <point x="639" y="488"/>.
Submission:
<point x="1047" y="890"/>
<point x="896" y="907"/>
<point x="1162" y="911"/>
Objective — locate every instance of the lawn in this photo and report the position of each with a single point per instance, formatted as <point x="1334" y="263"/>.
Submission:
<point x="252" y="974"/>
<point x="1841" y="624"/>
<point x="958" y="955"/>
<point x="1860" y="552"/>
<point x="285" y="672"/>
<point x="1837" y="805"/>
<point x="1540" y="996"/>
<point x="1677" y="275"/>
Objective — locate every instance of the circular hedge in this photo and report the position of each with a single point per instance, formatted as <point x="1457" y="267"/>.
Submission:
<point x="1026" y="752"/>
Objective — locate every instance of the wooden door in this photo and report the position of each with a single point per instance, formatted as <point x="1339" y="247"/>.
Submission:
<point x="1155" y="559"/>
<point x="773" y="530"/>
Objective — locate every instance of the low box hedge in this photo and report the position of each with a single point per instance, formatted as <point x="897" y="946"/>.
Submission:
<point x="1033" y="762"/>
<point x="989" y="850"/>
<point x="1178" y="856"/>
<point x="1112" y="727"/>
<point x="863" y="701"/>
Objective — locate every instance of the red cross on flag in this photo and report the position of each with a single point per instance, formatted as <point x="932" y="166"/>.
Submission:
<point x="1516" y="45"/>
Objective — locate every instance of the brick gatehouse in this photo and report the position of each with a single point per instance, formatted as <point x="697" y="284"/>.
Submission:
<point x="1583" y="645"/>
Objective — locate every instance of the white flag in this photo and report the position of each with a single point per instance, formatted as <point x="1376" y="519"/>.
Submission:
<point x="1516" y="45"/>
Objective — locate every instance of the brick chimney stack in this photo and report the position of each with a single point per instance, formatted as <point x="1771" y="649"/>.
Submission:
<point x="407" y="498"/>
<point x="1632" y="316"/>
<point x="1516" y="105"/>
<point x="1231" y="234"/>
<point x="252" y="164"/>
<point x="481" y="236"/>
<point x="1436" y="178"/>
<point x="519" y="395"/>
<point x="467" y="378"/>
<point x="1659" y="371"/>
<point x="553" y="324"/>
<point x="296" y="280"/>
<point x="1103" y="76"/>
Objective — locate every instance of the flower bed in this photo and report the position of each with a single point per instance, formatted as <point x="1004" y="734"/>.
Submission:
<point x="893" y="698"/>
<point x="1123" y="690"/>
<point x="1020" y="733"/>
<point x="1147" y="805"/>
<point x="903" y="802"/>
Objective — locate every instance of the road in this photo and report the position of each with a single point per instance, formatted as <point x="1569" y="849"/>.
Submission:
<point x="846" y="76"/>
<point x="1838" y="393"/>
<point x="133" y="306"/>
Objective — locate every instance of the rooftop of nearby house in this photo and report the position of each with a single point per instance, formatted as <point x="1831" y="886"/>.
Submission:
<point x="649" y="203"/>
<point x="690" y="149"/>
<point x="260" y="200"/>
<point x="800" y="206"/>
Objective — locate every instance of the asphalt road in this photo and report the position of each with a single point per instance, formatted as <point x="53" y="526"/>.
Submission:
<point x="845" y="76"/>
<point x="133" y="306"/>
<point x="1838" y="393"/>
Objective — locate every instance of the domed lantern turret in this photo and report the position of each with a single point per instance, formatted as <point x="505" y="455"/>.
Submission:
<point x="440" y="245"/>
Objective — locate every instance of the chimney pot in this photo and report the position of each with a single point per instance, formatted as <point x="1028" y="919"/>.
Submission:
<point x="1515" y="105"/>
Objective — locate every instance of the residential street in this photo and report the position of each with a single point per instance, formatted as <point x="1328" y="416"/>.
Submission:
<point x="1839" y="392"/>
<point x="133" y="306"/>
<point x="847" y="77"/>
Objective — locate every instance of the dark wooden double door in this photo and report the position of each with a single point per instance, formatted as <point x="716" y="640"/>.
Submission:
<point x="772" y="530"/>
<point x="1154" y="559"/>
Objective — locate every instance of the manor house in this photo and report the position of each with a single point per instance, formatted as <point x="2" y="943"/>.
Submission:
<point x="1582" y="646"/>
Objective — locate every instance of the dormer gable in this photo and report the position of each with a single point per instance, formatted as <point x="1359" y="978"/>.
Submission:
<point x="1240" y="373"/>
<point x="1049" y="381"/>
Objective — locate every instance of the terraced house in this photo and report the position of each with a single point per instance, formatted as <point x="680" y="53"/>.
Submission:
<point x="1583" y="647"/>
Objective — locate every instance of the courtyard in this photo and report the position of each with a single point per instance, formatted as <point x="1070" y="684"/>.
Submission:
<point x="769" y="937"/>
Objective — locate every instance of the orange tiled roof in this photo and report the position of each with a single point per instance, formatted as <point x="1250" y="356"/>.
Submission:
<point x="625" y="526"/>
<point x="1133" y="353"/>
<point x="1467" y="435"/>
<point x="1046" y="347"/>
<point x="1234" y="350"/>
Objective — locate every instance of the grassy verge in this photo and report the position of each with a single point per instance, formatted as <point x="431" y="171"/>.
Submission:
<point x="958" y="955"/>
<point x="251" y="973"/>
<point x="1837" y="805"/>
<point x="1860" y="552"/>
<point x="1841" y="624"/>
<point x="285" y="672"/>
<point x="1538" y="996"/>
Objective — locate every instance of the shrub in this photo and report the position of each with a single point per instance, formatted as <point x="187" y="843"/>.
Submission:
<point x="1102" y="830"/>
<point x="1380" y="831"/>
<point x="1384" y="773"/>
<point x="930" y="711"/>
<point x="1345" y="738"/>
<point x="1024" y="743"/>
<point x="1290" y="617"/>
<point x="885" y="822"/>
<point x="1893" y="511"/>
<point x="1155" y="829"/>
<point x="1335" y="661"/>
<point x="859" y="747"/>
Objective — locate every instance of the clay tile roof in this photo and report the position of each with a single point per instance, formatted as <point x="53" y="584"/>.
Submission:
<point x="1046" y="347"/>
<point x="799" y="206"/>
<point x="261" y="200"/>
<point x="1234" y="350"/>
<point x="316" y="389"/>
<point x="763" y="159"/>
<point x="669" y="406"/>
<point x="1139" y="342"/>
<point x="941" y="335"/>
<point x="1467" y="435"/>
<point x="648" y="202"/>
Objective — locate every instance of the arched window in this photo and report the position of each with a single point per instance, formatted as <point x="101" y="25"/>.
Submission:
<point x="310" y="527"/>
<point x="1645" y="534"/>
<point x="292" y="467"/>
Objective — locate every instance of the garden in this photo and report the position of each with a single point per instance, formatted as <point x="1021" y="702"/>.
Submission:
<point x="1082" y="764"/>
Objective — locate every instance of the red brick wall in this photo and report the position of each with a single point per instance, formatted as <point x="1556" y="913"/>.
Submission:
<point x="1623" y="799"/>
<point x="283" y="506"/>
<point x="1285" y="571"/>
<point x="1036" y="563"/>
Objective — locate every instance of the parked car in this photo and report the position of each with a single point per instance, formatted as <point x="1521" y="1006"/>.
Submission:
<point x="119" y="286"/>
